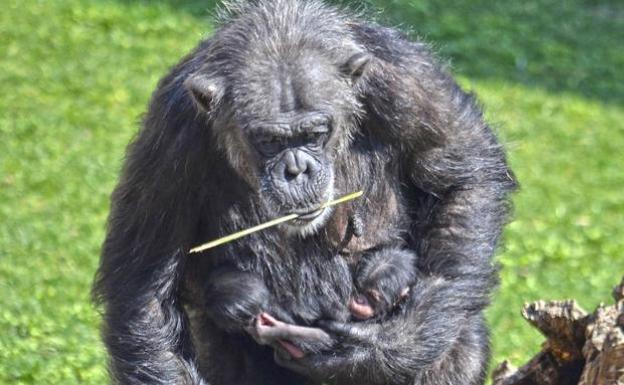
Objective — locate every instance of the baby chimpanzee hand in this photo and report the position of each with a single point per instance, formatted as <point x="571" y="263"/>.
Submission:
<point x="382" y="280"/>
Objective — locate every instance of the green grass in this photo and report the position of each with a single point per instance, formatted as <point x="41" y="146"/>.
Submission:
<point x="76" y="76"/>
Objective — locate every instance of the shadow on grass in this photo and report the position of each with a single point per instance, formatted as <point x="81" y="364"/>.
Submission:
<point x="573" y="46"/>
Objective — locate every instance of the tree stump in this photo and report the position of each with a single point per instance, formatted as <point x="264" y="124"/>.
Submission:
<point x="580" y="348"/>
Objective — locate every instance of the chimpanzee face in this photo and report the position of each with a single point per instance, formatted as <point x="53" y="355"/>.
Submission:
<point x="287" y="120"/>
<point x="295" y="167"/>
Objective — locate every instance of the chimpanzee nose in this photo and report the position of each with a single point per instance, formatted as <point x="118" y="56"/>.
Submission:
<point x="298" y="165"/>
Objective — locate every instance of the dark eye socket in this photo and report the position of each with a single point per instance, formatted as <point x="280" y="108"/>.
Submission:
<point x="318" y="135"/>
<point x="269" y="145"/>
<point x="316" y="138"/>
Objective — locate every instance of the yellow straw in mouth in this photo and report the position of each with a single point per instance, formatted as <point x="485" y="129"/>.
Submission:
<point x="274" y="222"/>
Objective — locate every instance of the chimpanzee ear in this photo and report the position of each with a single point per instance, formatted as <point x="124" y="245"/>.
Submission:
<point x="356" y="65"/>
<point x="205" y="90"/>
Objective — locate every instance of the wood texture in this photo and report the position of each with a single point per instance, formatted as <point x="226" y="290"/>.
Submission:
<point x="580" y="348"/>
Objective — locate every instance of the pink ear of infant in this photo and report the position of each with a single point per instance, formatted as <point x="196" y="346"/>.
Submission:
<point x="360" y="307"/>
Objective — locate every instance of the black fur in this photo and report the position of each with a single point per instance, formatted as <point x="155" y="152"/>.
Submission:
<point x="382" y="279"/>
<point x="435" y="180"/>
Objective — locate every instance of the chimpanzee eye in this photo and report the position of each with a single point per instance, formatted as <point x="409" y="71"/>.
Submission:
<point x="269" y="146"/>
<point x="318" y="137"/>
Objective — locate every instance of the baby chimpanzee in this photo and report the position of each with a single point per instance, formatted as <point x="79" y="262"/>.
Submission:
<point x="239" y="301"/>
<point x="382" y="279"/>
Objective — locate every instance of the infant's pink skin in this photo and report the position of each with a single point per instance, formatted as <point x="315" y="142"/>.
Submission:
<point x="266" y="320"/>
<point x="360" y="307"/>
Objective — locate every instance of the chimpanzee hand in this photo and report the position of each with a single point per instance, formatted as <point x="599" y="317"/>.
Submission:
<point x="288" y="340"/>
<point x="352" y="345"/>
<point x="403" y="345"/>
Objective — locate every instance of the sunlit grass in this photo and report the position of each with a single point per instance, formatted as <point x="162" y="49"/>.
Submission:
<point x="77" y="74"/>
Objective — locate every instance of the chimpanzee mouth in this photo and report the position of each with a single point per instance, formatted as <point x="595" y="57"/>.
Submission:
<point x="309" y="215"/>
<point x="311" y="218"/>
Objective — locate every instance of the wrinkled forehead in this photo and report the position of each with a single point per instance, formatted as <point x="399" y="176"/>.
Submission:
<point x="299" y="85"/>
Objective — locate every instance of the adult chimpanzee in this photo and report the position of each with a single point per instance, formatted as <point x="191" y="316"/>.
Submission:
<point x="289" y="104"/>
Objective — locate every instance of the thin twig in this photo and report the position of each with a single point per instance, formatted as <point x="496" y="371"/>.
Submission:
<point x="274" y="222"/>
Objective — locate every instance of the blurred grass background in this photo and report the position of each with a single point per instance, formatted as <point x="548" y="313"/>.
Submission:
<point x="77" y="74"/>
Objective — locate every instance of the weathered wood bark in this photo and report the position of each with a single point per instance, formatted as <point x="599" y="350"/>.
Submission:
<point x="580" y="348"/>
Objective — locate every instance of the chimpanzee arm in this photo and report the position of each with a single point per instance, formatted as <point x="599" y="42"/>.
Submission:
<point x="151" y="224"/>
<point x="458" y="168"/>
<point x="440" y="322"/>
